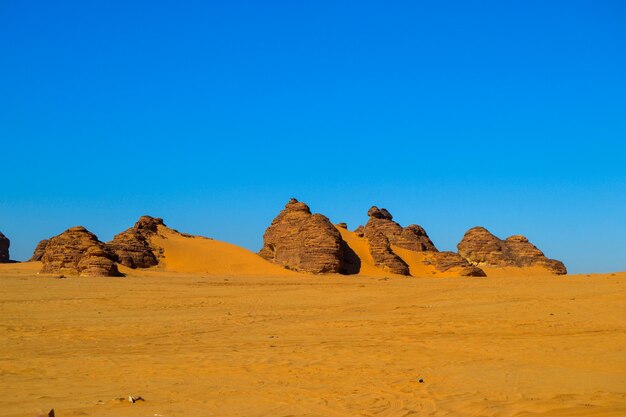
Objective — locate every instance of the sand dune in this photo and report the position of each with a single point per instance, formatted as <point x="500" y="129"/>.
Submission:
<point x="195" y="254"/>
<point x="200" y="345"/>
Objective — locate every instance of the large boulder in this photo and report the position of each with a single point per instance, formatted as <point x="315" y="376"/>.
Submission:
<point x="481" y="248"/>
<point x="302" y="241"/>
<point x="132" y="246"/>
<point x="77" y="251"/>
<point x="39" y="250"/>
<point x="4" y="248"/>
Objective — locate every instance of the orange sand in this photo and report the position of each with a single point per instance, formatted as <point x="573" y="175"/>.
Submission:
<point x="215" y="330"/>
<point x="207" y="256"/>
<point x="209" y="345"/>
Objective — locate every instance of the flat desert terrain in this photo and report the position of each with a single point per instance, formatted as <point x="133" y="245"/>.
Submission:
<point x="194" y="344"/>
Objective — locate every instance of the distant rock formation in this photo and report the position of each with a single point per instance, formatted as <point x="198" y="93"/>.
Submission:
<point x="4" y="248"/>
<point x="382" y="232"/>
<point x="481" y="248"/>
<point x="78" y="251"/>
<point x="132" y="247"/>
<point x="302" y="241"/>
<point x="39" y="250"/>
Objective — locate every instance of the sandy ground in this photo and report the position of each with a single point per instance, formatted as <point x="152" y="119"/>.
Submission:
<point x="301" y="345"/>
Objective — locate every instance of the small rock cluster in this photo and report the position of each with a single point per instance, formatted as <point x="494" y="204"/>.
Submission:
<point x="481" y="248"/>
<point x="77" y="251"/>
<point x="308" y="242"/>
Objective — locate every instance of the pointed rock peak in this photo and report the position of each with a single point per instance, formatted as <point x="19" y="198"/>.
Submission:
<point x="149" y="223"/>
<point x="478" y="230"/>
<point x="295" y="205"/>
<point x="133" y="247"/>
<point x="416" y="229"/>
<point x="80" y="229"/>
<point x="379" y="213"/>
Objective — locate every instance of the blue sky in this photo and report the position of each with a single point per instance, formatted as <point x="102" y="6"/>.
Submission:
<point x="510" y="115"/>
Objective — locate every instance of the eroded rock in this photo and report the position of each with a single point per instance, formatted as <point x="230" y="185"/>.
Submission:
<point x="132" y="246"/>
<point x="412" y="237"/>
<point x="77" y="251"/>
<point x="39" y="250"/>
<point x="302" y="241"/>
<point x="481" y="248"/>
<point x="382" y="232"/>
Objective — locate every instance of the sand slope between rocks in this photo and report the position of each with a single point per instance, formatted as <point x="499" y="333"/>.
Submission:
<point x="196" y="254"/>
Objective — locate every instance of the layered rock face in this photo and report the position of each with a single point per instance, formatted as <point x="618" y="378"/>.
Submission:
<point x="78" y="251"/>
<point x="132" y="246"/>
<point x="384" y="257"/>
<point x="481" y="248"/>
<point x="412" y="237"/>
<point x="382" y="232"/>
<point x="39" y="250"/>
<point x="303" y="241"/>
<point x="4" y="248"/>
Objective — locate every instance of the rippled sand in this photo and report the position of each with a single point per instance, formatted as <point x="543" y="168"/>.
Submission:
<point x="301" y="345"/>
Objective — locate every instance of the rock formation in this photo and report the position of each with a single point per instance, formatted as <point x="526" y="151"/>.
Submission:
<point x="481" y="248"/>
<point x="412" y="237"/>
<point x="78" y="251"/>
<point x="382" y="232"/>
<point x="97" y="261"/>
<point x="39" y="250"/>
<point x="303" y="241"/>
<point x="132" y="246"/>
<point x="4" y="248"/>
<point x="384" y="257"/>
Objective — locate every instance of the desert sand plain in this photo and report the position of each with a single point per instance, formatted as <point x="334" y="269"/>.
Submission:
<point x="231" y="334"/>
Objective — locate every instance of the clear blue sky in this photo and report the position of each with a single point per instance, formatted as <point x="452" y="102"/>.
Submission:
<point x="510" y="115"/>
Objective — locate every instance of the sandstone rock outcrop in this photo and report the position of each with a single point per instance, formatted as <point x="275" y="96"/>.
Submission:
<point x="383" y="233"/>
<point x="39" y="250"/>
<point x="302" y="241"/>
<point x="4" y="248"/>
<point x="78" y="251"/>
<point x="132" y="247"/>
<point x="97" y="261"/>
<point x="384" y="257"/>
<point x="412" y="237"/>
<point x="481" y="248"/>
